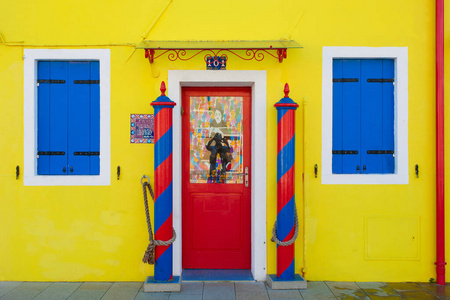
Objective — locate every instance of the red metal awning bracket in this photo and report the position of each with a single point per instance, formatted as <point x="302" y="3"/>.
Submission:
<point x="150" y="53"/>
<point x="248" y="54"/>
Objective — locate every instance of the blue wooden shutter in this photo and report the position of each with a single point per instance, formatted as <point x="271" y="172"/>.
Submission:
<point x="378" y="116"/>
<point x="52" y="118"/>
<point x="68" y="118"/>
<point x="363" y="116"/>
<point x="346" y="116"/>
<point x="84" y="118"/>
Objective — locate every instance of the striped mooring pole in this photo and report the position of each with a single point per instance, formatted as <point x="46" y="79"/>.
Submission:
<point x="285" y="184"/>
<point x="163" y="107"/>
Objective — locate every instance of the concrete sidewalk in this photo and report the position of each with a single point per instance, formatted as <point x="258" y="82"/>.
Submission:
<point x="220" y="290"/>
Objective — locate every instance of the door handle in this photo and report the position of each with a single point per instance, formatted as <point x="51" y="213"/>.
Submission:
<point x="245" y="176"/>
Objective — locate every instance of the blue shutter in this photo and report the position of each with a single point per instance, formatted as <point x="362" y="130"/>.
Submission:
<point x="377" y="109"/>
<point x="95" y="119"/>
<point x="388" y="116"/>
<point x="351" y="115"/>
<point x="371" y="115"/>
<point x="337" y="116"/>
<point x="58" y="118"/>
<point x="79" y="118"/>
<point x="363" y="116"/>
<point x="43" y="132"/>
<point x="68" y="118"/>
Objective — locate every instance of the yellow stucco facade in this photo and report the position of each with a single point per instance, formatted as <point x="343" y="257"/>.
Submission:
<point x="348" y="232"/>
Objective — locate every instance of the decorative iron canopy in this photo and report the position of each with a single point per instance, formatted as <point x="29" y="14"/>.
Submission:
<point x="246" y="50"/>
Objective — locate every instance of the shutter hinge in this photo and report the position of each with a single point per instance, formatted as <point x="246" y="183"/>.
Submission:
<point x="381" y="80"/>
<point x="345" y="152"/>
<point x="345" y="79"/>
<point x="54" y="81"/>
<point x="181" y="110"/>
<point x="86" y="81"/>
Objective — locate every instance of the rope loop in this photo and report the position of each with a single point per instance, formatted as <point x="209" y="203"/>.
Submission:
<point x="294" y="237"/>
<point x="149" y="256"/>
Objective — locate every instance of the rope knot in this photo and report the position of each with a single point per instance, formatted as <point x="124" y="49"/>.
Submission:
<point x="294" y="237"/>
<point x="149" y="256"/>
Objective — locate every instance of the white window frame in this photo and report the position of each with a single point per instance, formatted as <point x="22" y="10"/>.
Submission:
<point x="257" y="80"/>
<point x="400" y="56"/>
<point x="31" y="58"/>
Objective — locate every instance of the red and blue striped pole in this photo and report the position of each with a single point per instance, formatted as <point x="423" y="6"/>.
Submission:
<point x="285" y="184"/>
<point x="163" y="184"/>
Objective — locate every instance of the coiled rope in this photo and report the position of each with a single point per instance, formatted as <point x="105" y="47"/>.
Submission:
<point x="149" y="256"/>
<point x="294" y="237"/>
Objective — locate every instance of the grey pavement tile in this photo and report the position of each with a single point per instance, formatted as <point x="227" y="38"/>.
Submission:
<point x="152" y="296"/>
<point x="249" y="287"/>
<point x="378" y="289"/>
<point x="253" y="295"/>
<point x="123" y="291"/>
<point x="392" y="297"/>
<point x="7" y="286"/>
<point x="90" y="291"/>
<point x="27" y="290"/>
<point x="176" y="296"/>
<point x="411" y="290"/>
<point x="423" y="295"/>
<point x="58" y="291"/>
<point x="375" y="297"/>
<point x="218" y="291"/>
<point x="404" y="286"/>
<point x="346" y="290"/>
<point x="317" y="290"/>
<point x="191" y="288"/>
<point x="440" y="291"/>
<point x="283" y="294"/>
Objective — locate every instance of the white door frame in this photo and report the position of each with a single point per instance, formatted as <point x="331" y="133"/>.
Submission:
<point x="258" y="82"/>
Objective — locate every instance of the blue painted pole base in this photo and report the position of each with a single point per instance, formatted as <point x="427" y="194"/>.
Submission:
<point x="295" y="284"/>
<point x="151" y="285"/>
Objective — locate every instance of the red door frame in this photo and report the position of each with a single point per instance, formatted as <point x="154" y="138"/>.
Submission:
<point x="192" y="257"/>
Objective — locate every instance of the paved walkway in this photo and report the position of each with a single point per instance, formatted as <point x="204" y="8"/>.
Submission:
<point x="220" y="290"/>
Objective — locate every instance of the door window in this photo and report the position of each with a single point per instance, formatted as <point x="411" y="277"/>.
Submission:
<point x="216" y="139"/>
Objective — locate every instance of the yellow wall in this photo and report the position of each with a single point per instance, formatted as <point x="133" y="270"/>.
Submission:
<point x="99" y="233"/>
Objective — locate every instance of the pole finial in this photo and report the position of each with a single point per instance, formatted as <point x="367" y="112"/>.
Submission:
<point x="163" y="88"/>
<point x="286" y="90"/>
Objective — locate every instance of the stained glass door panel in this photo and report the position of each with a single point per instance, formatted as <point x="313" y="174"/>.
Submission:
<point x="216" y="139"/>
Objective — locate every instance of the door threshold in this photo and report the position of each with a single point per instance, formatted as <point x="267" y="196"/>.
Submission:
<point x="216" y="275"/>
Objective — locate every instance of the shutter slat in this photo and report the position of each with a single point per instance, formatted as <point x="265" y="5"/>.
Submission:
<point x="58" y="117"/>
<point x="43" y="132"/>
<point x="79" y="118"/>
<point x="388" y="160"/>
<point x="351" y="117"/>
<point x="95" y="118"/>
<point x="371" y="114"/>
<point x="337" y="116"/>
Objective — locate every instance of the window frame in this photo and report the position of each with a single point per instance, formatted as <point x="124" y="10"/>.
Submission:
<point x="400" y="56"/>
<point x="31" y="58"/>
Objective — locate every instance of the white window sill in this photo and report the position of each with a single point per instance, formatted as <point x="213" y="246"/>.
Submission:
<point x="66" y="180"/>
<point x="365" y="178"/>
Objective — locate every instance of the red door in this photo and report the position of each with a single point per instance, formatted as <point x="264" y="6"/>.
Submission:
<point x="216" y="154"/>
